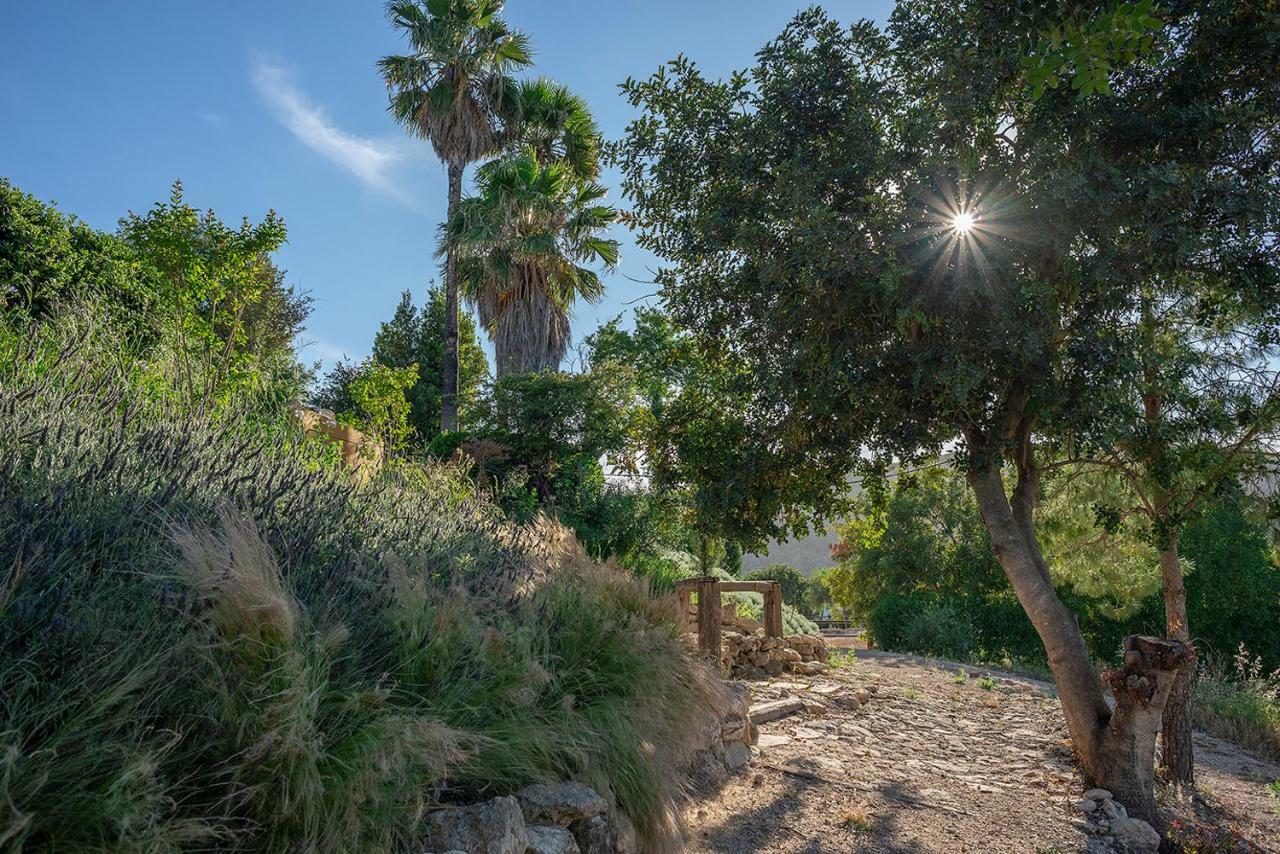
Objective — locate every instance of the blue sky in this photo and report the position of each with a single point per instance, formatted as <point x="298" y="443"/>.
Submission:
<point x="259" y="105"/>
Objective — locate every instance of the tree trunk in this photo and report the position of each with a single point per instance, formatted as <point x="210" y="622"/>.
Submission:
<point x="1115" y="749"/>
<point x="1177" y="756"/>
<point x="449" y="360"/>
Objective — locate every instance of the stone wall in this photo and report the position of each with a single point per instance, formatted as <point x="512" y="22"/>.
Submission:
<point x="753" y="655"/>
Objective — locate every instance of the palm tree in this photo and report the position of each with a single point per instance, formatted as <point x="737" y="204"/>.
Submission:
<point x="558" y="127"/>
<point x="521" y="242"/>
<point x="454" y="90"/>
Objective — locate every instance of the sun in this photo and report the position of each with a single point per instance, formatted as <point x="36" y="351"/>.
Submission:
<point x="962" y="222"/>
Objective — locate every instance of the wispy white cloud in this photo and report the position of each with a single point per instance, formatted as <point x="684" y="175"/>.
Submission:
<point x="370" y="160"/>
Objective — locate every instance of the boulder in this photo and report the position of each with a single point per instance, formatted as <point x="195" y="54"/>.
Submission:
<point x="1136" y="834"/>
<point x="1098" y="795"/>
<point x="492" y="827"/>
<point x="550" y="839"/>
<point x="593" y="835"/>
<point x="559" y="803"/>
<point x="736" y="755"/>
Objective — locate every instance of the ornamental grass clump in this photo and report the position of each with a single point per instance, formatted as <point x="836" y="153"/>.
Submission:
<point x="212" y="638"/>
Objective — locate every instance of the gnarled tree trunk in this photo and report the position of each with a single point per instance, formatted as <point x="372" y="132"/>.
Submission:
<point x="1115" y="748"/>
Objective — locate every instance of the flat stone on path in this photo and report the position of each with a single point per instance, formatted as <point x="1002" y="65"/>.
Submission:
<point x="763" y="713"/>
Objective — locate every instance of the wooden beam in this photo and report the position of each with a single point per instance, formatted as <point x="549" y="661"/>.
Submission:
<point x="747" y="586"/>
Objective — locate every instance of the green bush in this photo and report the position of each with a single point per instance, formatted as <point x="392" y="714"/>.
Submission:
<point x="792" y="580"/>
<point x="940" y="630"/>
<point x="211" y="638"/>
<point x="1239" y="701"/>
<point x="1229" y="553"/>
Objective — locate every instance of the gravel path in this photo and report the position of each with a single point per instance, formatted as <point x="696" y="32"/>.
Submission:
<point x="941" y="759"/>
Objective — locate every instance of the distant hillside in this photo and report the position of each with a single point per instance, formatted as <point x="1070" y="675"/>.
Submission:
<point x="807" y="555"/>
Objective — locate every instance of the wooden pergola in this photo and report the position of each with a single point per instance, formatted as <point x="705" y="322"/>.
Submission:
<point x="707" y="622"/>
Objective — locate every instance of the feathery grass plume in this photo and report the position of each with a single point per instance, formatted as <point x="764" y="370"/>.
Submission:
<point x="236" y="572"/>
<point x="269" y="678"/>
<point x="317" y="753"/>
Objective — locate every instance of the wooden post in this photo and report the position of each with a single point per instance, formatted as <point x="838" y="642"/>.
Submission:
<point x="684" y="601"/>
<point x="773" y="610"/>
<point x="709" y="617"/>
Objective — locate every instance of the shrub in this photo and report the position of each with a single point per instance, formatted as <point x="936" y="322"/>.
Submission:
<point x="939" y="630"/>
<point x="1239" y="701"/>
<point x="791" y="579"/>
<point x="209" y="638"/>
<point x="1229" y="553"/>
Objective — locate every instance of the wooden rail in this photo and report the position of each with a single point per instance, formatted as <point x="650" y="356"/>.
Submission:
<point x="707" y="622"/>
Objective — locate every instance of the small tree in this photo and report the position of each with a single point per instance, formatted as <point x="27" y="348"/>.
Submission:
<point x="416" y="336"/>
<point x="380" y="405"/>
<point x="791" y="580"/>
<point x="222" y="303"/>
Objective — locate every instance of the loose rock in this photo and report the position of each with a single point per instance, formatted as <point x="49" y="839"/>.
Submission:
<point x="559" y="803"/>
<point x="772" y="711"/>
<point x="736" y="755"/>
<point x="550" y="839"/>
<point x="1137" y="835"/>
<point x="593" y="835"/>
<point x="492" y="827"/>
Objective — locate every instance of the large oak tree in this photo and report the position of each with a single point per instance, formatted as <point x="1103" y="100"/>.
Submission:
<point x="893" y="244"/>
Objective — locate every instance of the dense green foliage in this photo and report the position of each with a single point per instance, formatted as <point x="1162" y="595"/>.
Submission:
<point x="414" y="337"/>
<point x="211" y="637"/>
<point x="200" y="302"/>
<point x="49" y="261"/>
<point x="1233" y="592"/>
<point x="915" y="564"/>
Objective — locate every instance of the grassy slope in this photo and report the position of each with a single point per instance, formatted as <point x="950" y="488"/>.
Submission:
<point x="210" y="639"/>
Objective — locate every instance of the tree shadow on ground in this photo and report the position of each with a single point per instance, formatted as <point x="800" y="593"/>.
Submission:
<point x="769" y="826"/>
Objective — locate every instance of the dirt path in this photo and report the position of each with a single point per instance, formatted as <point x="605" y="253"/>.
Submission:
<point x="941" y="759"/>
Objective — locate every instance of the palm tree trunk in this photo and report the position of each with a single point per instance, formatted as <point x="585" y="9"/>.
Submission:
<point x="449" y="361"/>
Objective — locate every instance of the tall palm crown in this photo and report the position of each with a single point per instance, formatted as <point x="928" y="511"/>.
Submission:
<point x="522" y="242"/>
<point x="454" y="88"/>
